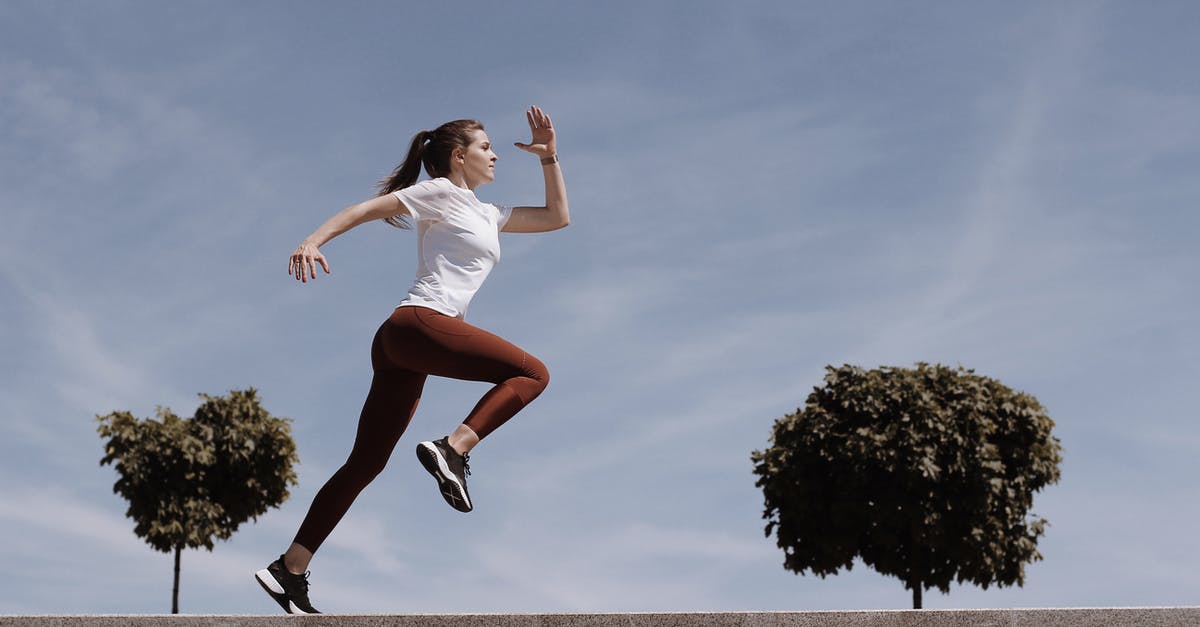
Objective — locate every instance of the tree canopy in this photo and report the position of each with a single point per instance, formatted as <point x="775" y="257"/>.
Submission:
<point x="926" y="474"/>
<point x="190" y="482"/>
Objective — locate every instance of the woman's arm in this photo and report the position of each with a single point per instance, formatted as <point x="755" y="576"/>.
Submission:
<point x="303" y="262"/>
<point x="556" y="214"/>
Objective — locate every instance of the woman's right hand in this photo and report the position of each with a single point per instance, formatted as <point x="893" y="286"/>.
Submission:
<point x="543" y="143"/>
<point x="303" y="263"/>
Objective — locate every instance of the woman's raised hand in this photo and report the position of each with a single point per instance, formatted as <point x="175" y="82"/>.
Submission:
<point x="303" y="263"/>
<point x="542" y="144"/>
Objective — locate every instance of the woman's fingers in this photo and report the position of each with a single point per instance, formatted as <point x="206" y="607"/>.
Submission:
<point x="537" y="118"/>
<point x="542" y="131"/>
<point x="307" y="270"/>
<point x="304" y="266"/>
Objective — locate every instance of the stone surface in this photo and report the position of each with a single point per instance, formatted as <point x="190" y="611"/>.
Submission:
<point x="1139" y="616"/>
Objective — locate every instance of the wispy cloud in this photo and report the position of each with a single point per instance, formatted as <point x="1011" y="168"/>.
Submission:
<point x="997" y="255"/>
<point x="598" y="573"/>
<point x="51" y="509"/>
<point x="756" y="194"/>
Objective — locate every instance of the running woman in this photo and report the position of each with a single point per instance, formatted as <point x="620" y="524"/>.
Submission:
<point x="458" y="245"/>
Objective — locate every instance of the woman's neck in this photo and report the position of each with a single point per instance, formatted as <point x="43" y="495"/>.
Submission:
<point x="460" y="180"/>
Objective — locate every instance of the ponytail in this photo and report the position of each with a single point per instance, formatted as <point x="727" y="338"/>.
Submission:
<point x="435" y="155"/>
<point x="405" y="175"/>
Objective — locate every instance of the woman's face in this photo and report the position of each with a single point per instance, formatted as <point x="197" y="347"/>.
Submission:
<point x="479" y="162"/>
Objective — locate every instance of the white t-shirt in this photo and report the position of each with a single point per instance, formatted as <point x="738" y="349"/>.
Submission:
<point x="458" y="244"/>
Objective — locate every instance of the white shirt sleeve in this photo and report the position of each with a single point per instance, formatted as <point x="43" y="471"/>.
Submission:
<point x="505" y="214"/>
<point x="424" y="201"/>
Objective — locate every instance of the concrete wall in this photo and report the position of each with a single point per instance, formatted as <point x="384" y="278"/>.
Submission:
<point x="1151" y="616"/>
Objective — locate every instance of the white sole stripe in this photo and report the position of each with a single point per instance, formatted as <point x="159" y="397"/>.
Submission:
<point x="265" y="577"/>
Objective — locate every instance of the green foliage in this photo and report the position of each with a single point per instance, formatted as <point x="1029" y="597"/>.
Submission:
<point x="925" y="474"/>
<point x="190" y="482"/>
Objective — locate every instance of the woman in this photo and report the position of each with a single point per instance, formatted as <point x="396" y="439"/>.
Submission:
<point x="458" y="244"/>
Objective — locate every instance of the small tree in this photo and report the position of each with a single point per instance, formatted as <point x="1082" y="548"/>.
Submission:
<point x="192" y="481"/>
<point x="925" y="474"/>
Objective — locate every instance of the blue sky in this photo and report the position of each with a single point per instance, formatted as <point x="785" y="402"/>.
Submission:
<point x="757" y="190"/>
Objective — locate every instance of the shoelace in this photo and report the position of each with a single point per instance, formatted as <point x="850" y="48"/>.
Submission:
<point x="304" y="582"/>
<point x="466" y="467"/>
<point x="288" y="578"/>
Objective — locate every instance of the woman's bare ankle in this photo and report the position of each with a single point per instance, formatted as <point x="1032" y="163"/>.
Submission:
<point x="463" y="440"/>
<point x="296" y="559"/>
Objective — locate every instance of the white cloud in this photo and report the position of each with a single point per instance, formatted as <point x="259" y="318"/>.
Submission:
<point x="733" y="233"/>
<point x="49" y="509"/>
<point x="603" y="571"/>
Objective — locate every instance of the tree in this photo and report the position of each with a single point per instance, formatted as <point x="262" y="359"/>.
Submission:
<point x="924" y="474"/>
<point x="190" y="482"/>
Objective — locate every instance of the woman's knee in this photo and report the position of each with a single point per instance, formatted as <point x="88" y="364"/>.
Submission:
<point x="536" y="370"/>
<point x="362" y="469"/>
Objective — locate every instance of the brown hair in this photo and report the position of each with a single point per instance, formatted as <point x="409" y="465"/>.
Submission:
<point x="432" y="148"/>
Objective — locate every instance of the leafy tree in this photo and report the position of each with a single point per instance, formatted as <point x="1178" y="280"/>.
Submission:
<point x="925" y="474"/>
<point x="190" y="482"/>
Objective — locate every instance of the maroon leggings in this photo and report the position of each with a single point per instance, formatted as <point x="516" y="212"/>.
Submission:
<point x="413" y="343"/>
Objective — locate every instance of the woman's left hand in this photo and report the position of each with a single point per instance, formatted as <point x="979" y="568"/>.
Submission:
<point x="542" y="144"/>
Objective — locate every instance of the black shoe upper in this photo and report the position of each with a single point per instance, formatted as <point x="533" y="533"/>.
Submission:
<point x="450" y="469"/>
<point x="295" y="586"/>
<point x="459" y="464"/>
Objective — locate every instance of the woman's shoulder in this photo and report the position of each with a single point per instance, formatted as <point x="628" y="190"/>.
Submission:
<point x="428" y="190"/>
<point x="438" y="184"/>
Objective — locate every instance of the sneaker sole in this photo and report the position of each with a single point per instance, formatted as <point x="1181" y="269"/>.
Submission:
<point x="436" y="465"/>
<point x="268" y="583"/>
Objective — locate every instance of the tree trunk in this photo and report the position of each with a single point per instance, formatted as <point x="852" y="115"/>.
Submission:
<point x="915" y="563"/>
<point x="175" y="590"/>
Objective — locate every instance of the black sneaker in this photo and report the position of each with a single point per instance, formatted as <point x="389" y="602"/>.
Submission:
<point x="289" y="591"/>
<point x="450" y="469"/>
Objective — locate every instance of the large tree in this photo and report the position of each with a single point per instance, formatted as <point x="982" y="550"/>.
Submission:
<point x="926" y="474"/>
<point x="190" y="482"/>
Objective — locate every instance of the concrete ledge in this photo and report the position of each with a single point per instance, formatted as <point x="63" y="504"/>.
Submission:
<point x="1139" y="616"/>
